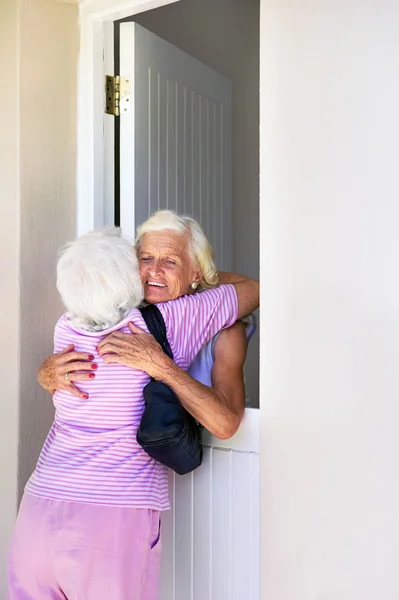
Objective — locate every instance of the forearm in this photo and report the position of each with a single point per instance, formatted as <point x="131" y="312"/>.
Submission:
<point x="225" y="277"/>
<point x="206" y="404"/>
<point x="247" y="291"/>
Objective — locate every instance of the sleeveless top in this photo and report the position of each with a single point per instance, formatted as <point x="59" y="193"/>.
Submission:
<point x="201" y="367"/>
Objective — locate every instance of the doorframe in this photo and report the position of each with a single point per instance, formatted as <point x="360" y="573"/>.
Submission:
<point x="96" y="36"/>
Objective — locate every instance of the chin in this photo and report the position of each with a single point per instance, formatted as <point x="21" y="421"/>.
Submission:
<point x="154" y="295"/>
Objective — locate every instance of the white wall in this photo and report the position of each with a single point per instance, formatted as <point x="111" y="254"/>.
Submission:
<point x="39" y="51"/>
<point x="330" y="344"/>
<point x="224" y="34"/>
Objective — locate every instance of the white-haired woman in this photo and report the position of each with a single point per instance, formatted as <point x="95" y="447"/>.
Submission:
<point x="88" y="525"/>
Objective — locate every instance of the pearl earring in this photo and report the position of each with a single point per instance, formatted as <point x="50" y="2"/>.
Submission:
<point x="194" y="285"/>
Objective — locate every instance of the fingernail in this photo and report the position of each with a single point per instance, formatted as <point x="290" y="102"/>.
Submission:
<point x="91" y="357"/>
<point x="92" y="375"/>
<point x="94" y="366"/>
<point x="85" y="396"/>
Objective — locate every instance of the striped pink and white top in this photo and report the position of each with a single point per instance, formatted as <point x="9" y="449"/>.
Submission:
<point x="91" y="454"/>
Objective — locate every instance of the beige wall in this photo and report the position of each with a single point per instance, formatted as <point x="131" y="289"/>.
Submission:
<point x="9" y="271"/>
<point x="48" y="71"/>
<point x="224" y="34"/>
<point x="39" y="46"/>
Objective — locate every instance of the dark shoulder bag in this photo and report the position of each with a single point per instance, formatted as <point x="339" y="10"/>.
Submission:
<point x="167" y="432"/>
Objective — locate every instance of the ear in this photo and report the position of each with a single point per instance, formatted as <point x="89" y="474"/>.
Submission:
<point x="197" y="276"/>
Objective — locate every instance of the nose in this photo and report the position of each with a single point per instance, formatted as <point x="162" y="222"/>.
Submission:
<point x="155" y="268"/>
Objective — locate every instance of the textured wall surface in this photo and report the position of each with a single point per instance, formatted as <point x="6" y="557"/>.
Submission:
<point x="39" y="52"/>
<point x="9" y="273"/>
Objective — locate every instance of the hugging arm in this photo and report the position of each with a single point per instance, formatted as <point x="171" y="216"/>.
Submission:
<point x="51" y="374"/>
<point x="219" y="408"/>
<point x="247" y="290"/>
<point x="193" y="320"/>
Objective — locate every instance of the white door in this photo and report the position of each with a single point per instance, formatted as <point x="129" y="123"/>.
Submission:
<point x="175" y="152"/>
<point x="175" y="142"/>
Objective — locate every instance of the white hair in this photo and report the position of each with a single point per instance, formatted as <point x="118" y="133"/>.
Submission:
<point x="98" y="279"/>
<point x="201" y="252"/>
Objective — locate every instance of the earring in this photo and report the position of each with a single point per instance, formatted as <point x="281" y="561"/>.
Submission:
<point x="194" y="285"/>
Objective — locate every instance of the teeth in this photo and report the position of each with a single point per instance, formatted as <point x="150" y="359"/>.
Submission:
<point x="156" y="283"/>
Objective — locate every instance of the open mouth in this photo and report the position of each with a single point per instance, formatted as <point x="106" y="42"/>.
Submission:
<point x="156" y="284"/>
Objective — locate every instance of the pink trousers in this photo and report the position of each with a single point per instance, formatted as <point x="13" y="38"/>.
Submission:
<point x="74" y="551"/>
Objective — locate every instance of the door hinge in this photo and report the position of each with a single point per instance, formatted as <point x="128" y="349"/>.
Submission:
<point x="117" y="95"/>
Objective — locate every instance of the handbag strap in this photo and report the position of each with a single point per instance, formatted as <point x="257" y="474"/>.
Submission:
<point x="156" y="326"/>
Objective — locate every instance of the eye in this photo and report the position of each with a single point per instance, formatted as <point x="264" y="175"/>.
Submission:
<point x="169" y="261"/>
<point x="145" y="259"/>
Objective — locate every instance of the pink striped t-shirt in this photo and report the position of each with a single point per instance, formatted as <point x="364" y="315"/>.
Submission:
<point x="91" y="454"/>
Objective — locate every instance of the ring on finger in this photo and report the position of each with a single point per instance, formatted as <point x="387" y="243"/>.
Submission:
<point x="67" y="375"/>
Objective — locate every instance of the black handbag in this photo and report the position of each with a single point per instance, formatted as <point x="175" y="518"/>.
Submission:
<point x="167" y="432"/>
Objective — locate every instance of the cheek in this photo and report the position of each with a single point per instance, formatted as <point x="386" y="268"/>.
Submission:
<point x="176" y="284"/>
<point x="142" y="271"/>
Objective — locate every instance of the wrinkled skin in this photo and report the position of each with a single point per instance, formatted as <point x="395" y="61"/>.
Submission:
<point x="166" y="269"/>
<point x="138" y="351"/>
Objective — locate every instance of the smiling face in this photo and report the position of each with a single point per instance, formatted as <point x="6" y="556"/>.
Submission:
<point x="166" y="269"/>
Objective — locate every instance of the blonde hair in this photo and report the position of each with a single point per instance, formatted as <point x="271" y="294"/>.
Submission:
<point x="201" y="252"/>
<point x="98" y="279"/>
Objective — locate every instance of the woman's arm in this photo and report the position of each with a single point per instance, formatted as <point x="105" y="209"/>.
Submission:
<point x="192" y="320"/>
<point x="247" y="291"/>
<point x="219" y="408"/>
<point x="79" y="365"/>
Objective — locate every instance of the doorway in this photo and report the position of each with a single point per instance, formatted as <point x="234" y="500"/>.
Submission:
<point x="211" y="535"/>
<point x="224" y="36"/>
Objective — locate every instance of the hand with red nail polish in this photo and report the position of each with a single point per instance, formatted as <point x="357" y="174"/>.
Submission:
<point x="78" y="365"/>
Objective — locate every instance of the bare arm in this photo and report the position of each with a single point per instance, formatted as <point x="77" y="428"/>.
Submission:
<point x="247" y="291"/>
<point x="51" y="375"/>
<point x="219" y="408"/>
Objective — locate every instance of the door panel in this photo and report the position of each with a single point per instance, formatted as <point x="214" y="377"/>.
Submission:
<point x="211" y="535"/>
<point x="176" y="140"/>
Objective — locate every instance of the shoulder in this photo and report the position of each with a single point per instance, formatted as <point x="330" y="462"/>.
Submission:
<point x="63" y="323"/>
<point x="221" y="292"/>
<point x="176" y="310"/>
<point x="64" y="334"/>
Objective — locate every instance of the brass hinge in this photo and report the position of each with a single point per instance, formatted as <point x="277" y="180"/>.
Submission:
<point x="117" y="95"/>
